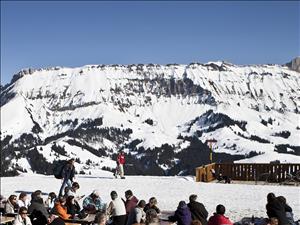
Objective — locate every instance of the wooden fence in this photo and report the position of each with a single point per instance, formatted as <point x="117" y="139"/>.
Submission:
<point x="247" y="171"/>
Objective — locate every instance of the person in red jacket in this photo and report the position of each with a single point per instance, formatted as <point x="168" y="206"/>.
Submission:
<point x="218" y="218"/>
<point x="120" y="165"/>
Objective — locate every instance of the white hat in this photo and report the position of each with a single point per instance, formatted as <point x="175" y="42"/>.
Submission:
<point x="96" y="192"/>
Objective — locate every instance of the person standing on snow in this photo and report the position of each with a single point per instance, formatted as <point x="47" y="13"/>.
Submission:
<point x="120" y="165"/>
<point x="68" y="174"/>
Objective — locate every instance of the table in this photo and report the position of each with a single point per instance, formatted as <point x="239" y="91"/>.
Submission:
<point x="6" y="219"/>
<point x="87" y="220"/>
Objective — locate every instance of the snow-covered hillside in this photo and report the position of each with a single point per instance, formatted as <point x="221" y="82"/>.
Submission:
<point x="240" y="200"/>
<point x="160" y="115"/>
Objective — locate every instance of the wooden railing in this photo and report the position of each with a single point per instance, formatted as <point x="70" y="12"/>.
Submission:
<point x="204" y="173"/>
<point x="247" y="171"/>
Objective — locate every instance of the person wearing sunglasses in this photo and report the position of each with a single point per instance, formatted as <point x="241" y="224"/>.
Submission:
<point x="22" y="218"/>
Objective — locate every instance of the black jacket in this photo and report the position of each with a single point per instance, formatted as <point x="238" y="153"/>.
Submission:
<point x="276" y="209"/>
<point x="198" y="212"/>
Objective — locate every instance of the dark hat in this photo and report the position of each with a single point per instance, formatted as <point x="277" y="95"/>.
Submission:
<point x="113" y="194"/>
<point x="181" y="204"/>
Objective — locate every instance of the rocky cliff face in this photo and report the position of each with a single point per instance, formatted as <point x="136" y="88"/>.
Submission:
<point x="294" y="64"/>
<point x="160" y="115"/>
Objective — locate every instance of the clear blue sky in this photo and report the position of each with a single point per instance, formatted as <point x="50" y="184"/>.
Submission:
<point x="42" y="34"/>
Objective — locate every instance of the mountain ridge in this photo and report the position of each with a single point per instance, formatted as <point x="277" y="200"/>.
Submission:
<point x="148" y="110"/>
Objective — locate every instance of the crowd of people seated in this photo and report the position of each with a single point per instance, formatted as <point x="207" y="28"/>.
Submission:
<point x="129" y="211"/>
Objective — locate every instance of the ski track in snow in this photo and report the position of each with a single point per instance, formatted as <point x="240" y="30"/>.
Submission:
<point x="240" y="200"/>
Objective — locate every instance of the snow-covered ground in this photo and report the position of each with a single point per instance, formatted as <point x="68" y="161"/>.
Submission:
<point x="241" y="200"/>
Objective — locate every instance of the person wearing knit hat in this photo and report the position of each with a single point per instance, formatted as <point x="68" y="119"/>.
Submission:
<point x="93" y="203"/>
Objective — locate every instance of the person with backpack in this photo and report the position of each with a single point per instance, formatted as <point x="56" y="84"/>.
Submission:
<point x="67" y="174"/>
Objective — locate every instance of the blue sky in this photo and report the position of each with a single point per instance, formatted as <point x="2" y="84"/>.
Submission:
<point x="43" y="34"/>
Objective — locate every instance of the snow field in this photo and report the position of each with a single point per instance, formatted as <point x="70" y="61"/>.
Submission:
<point x="240" y="200"/>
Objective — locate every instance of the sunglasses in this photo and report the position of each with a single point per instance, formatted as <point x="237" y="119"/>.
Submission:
<point x="23" y="213"/>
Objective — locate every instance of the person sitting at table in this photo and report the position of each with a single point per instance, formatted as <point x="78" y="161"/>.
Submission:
<point x="23" y="200"/>
<point x="22" y="218"/>
<point x="49" y="203"/>
<point x="152" y="217"/>
<point x="100" y="219"/>
<point x="61" y="209"/>
<point x="72" y="206"/>
<point x="11" y="205"/>
<point x="152" y="205"/>
<point x="37" y="210"/>
<point x="182" y="214"/>
<point x="137" y="215"/>
<point x="93" y="203"/>
<point x="73" y="191"/>
<point x="116" y="209"/>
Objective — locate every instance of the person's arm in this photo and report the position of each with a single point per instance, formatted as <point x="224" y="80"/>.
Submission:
<point x="62" y="212"/>
<point x="138" y="215"/>
<point x="110" y="208"/>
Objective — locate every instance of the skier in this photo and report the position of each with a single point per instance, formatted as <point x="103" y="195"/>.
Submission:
<point x="120" y="164"/>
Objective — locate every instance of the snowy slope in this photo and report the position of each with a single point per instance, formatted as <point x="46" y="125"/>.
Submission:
<point x="240" y="200"/>
<point x="94" y="110"/>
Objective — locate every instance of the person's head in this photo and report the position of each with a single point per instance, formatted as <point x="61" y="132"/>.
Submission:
<point x="23" y="212"/>
<point x="113" y="195"/>
<point x="193" y="198"/>
<point x="282" y="199"/>
<point x="95" y="194"/>
<point x="75" y="186"/>
<point x="13" y="199"/>
<point x="196" y="222"/>
<point x="273" y="221"/>
<point x="100" y="218"/>
<point x="152" y="201"/>
<point x="270" y="197"/>
<point x="128" y="194"/>
<point x="52" y="196"/>
<point x="62" y="200"/>
<point x="220" y="209"/>
<point x="23" y="196"/>
<point x="142" y="204"/>
<point x="71" y="161"/>
<point x="38" y="193"/>
<point x="151" y="216"/>
<point x="182" y="204"/>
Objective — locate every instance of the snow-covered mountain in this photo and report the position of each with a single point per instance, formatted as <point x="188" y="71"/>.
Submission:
<point x="161" y="115"/>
